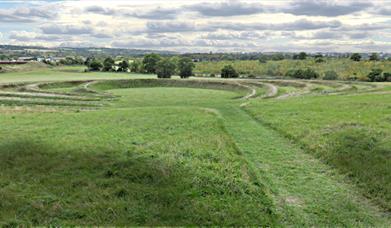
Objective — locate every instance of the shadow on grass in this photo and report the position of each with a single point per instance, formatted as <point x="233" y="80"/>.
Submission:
<point x="364" y="155"/>
<point x="41" y="184"/>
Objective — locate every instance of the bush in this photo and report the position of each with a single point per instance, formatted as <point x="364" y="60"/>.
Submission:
<point x="165" y="68"/>
<point x="95" y="65"/>
<point x="330" y="75"/>
<point x="319" y="60"/>
<point x="185" y="66"/>
<point x="355" y="57"/>
<point x="229" y="72"/>
<point x="302" y="74"/>
<point x="387" y="77"/>
<point x="150" y="62"/>
<point x="108" y="64"/>
<point x="376" y="76"/>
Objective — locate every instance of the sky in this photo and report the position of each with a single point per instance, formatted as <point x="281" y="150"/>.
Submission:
<point x="200" y="26"/>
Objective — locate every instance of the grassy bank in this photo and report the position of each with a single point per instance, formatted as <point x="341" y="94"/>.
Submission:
<point x="349" y="132"/>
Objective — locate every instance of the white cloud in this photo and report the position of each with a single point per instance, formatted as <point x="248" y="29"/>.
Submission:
<point x="198" y="25"/>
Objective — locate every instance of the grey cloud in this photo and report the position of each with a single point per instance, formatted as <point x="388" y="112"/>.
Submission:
<point x="302" y="24"/>
<point x="26" y="15"/>
<point x="100" y="10"/>
<point x="66" y="29"/>
<point x="143" y="42"/>
<point x="383" y="11"/>
<point x="222" y="43"/>
<point x="358" y="35"/>
<point x="246" y="35"/>
<point x="46" y="13"/>
<point x="75" y="30"/>
<point x="31" y="36"/>
<point x="157" y="14"/>
<point x="170" y="26"/>
<point x="326" y="8"/>
<point x="326" y="35"/>
<point x="229" y="8"/>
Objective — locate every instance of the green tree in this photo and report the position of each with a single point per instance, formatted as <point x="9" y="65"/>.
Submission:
<point x="229" y="72"/>
<point x="376" y="75"/>
<point x="330" y="75"/>
<point x="277" y="57"/>
<point x="165" y="68"/>
<point x="302" y="55"/>
<point x="387" y="76"/>
<point x="88" y="61"/>
<point x="263" y="59"/>
<point x="355" y="57"/>
<point x="108" y="64"/>
<point x="150" y="62"/>
<point x="374" y="57"/>
<point x="137" y="66"/>
<point x="95" y="65"/>
<point x="185" y="67"/>
<point x="123" y="66"/>
<point x="303" y="74"/>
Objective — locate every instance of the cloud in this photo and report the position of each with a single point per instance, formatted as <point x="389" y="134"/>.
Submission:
<point x="186" y="26"/>
<point x="302" y="24"/>
<point x="169" y="26"/>
<point x="100" y="10"/>
<point x="67" y="29"/>
<point x="229" y="8"/>
<point x="142" y="42"/>
<point x="383" y="11"/>
<point x="32" y="36"/>
<point x="157" y="14"/>
<point x="224" y="35"/>
<point x="326" y="8"/>
<point x="27" y="15"/>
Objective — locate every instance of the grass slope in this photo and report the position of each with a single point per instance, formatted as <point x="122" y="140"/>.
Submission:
<point x="141" y="166"/>
<point x="64" y="74"/>
<point x="177" y="156"/>
<point x="349" y="132"/>
<point x="306" y="192"/>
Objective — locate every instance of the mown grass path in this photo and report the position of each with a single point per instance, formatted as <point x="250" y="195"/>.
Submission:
<point x="306" y="192"/>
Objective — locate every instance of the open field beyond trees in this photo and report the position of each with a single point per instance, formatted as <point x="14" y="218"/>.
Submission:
<point x="103" y="148"/>
<point x="344" y="67"/>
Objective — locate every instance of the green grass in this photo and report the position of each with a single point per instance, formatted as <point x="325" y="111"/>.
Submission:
<point x="150" y="166"/>
<point x="349" y="132"/>
<point x="64" y="74"/>
<point x="183" y="152"/>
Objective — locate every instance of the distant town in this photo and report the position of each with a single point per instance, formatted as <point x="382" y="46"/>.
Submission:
<point x="10" y="54"/>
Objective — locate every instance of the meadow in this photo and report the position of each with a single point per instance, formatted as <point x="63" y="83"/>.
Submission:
<point x="345" y="68"/>
<point x="129" y="149"/>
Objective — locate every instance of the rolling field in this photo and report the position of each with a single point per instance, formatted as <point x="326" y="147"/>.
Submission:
<point x="86" y="150"/>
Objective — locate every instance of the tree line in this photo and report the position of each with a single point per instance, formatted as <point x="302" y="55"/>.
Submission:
<point x="164" y="67"/>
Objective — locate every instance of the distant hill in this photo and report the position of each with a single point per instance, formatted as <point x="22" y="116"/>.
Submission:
<point x="66" y="51"/>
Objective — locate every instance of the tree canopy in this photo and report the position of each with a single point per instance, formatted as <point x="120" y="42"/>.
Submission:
<point x="185" y="67"/>
<point x="150" y="62"/>
<point x="165" y="68"/>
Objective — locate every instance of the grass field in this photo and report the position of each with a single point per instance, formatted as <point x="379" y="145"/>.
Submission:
<point x="345" y="68"/>
<point x="193" y="152"/>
